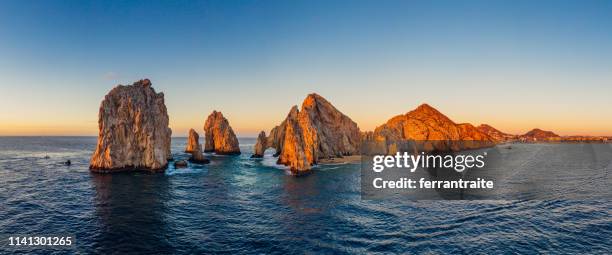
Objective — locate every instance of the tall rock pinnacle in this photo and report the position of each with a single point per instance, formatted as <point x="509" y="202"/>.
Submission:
<point x="133" y="130"/>
<point x="220" y="137"/>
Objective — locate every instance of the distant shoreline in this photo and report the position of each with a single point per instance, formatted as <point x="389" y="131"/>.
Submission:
<point x="253" y="137"/>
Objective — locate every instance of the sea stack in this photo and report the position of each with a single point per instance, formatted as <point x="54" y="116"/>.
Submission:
<point x="193" y="142"/>
<point x="220" y="137"/>
<point x="425" y="123"/>
<point x="317" y="131"/>
<point x="193" y="147"/>
<point x="133" y="130"/>
<point x="260" y="145"/>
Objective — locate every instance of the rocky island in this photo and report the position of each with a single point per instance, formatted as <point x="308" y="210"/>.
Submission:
<point x="219" y="135"/>
<point x="133" y="130"/>
<point x="317" y="131"/>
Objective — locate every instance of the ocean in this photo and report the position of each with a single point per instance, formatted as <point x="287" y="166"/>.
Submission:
<point x="241" y="205"/>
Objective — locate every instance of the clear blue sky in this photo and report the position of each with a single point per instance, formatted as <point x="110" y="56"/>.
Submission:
<point x="516" y="65"/>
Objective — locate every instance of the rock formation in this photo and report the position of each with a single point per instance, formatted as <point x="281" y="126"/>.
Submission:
<point x="193" y="147"/>
<point x="317" y="131"/>
<point x="467" y="132"/>
<point x="274" y="140"/>
<point x="193" y="142"/>
<point x="277" y="134"/>
<point x="333" y="134"/>
<point x="427" y="124"/>
<point x="260" y="145"/>
<point x="180" y="164"/>
<point x="133" y="130"/>
<point x="220" y="137"/>
<point x="539" y="135"/>
<point x="496" y="134"/>
<point x="198" y="158"/>
<point x="298" y="152"/>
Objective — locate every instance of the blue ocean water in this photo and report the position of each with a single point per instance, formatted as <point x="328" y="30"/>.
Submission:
<point x="242" y="205"/>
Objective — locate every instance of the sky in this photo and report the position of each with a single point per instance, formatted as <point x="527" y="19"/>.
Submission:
<point x="515" y="65"/>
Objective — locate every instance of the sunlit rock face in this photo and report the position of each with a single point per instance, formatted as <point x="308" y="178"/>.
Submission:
<point x="274" y="140"/>
<point x="467" y="132"/>
<point x="499" y="136"/>
<point x="133" y="130"/>
<point x="260" y="145"/>
<point x="427" y="124"/>
<point x="315" y="132"/>
<point x="193" y="142"/>
<point x="297" y="153"/>
<point x="220" y="137"/>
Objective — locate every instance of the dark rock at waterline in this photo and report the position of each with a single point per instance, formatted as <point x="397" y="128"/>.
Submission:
<point x="193" y="142"/>
<point x="180" y="164"/>
<point x="260" y="145"/>
<point x="199" y="161"/>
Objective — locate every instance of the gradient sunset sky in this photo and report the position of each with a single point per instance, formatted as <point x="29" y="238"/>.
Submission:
<point x="516" y="65"/>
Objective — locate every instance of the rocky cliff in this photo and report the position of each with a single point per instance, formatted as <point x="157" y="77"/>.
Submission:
<point x="133" y="130"/>
<point x="467" y="132"/>
<point x="220" y="137"/>
<point x="499" y="136"/>
<point x="317" y="131"/>
<point x="427" y="124"/>
<point x="297" y="153"/>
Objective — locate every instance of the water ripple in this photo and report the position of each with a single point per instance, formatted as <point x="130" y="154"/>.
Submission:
<point x="242" y="205"/>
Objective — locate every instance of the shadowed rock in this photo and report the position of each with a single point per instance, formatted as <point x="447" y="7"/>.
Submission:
<point x="220" y="137"/>
<point x="180" y="164"/>
<point x="193" y="147"/>
<point x="133" y="130"/>
<point x="198" y="158"/>
<point x="260" y="145"/>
